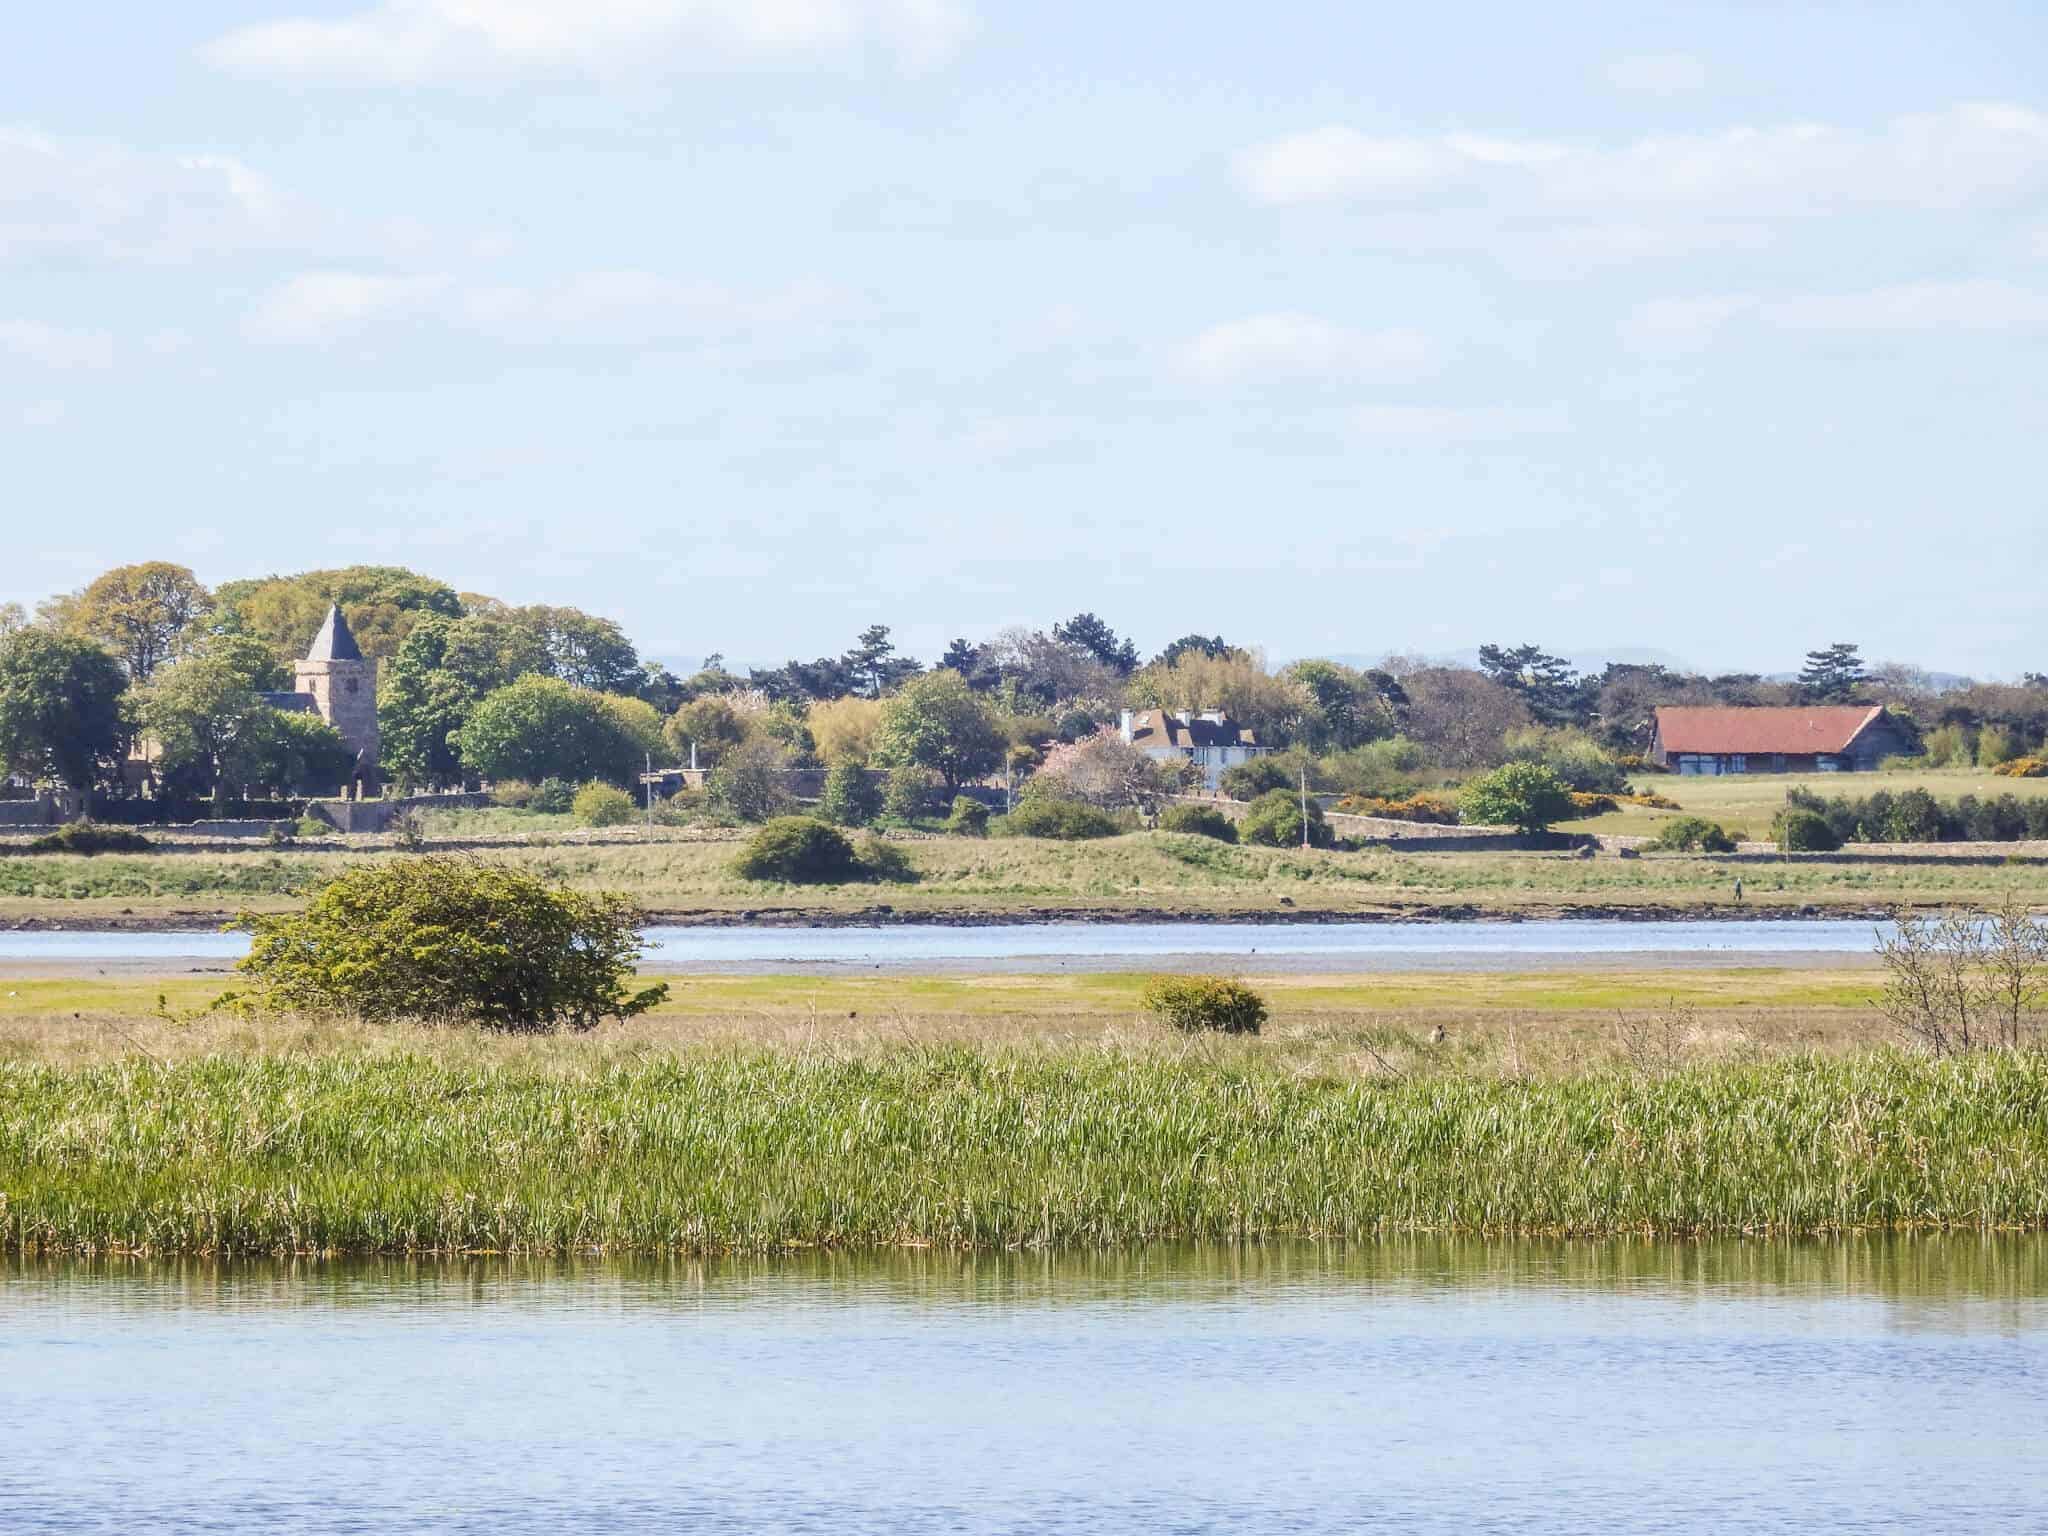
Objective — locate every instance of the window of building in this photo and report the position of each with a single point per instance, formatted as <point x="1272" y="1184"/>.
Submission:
<point x="354" y="683"/>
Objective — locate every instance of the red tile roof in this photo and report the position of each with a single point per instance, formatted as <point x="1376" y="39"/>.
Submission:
<point x="1158" y="728"/>
<point x="1798" y="729"/>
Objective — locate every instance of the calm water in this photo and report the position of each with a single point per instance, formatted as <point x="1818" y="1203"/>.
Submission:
<point x="1418" y="1386"/>
<point x="1115" y="946"/>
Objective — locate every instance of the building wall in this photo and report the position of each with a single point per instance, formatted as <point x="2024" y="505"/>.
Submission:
<point x="345" y="693"/>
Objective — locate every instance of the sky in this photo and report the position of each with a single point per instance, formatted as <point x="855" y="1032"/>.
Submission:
<point x="1714" y="330"/>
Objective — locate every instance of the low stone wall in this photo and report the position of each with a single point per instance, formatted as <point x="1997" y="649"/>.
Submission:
<point x="377" y="815"/>
<point x="39" y="812"/>
<point x="1425" y="836"/>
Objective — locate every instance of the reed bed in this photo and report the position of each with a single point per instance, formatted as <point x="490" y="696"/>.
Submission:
<point x="736" y="1149"/>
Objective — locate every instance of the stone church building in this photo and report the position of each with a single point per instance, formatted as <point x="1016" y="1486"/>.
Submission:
<point x="336" y="682"/>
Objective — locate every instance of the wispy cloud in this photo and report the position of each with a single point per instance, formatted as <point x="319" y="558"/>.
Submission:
<point x="422" y="42"/>
<point x="1289" y="345"/>
<point x="72" y="199"/>
<point x="1981" y="307"/>
<point x="318" y="308"/>
<point x="1459" y="423"/>
<point x="50" y="346"/>
<point x="1657" y="74"/>
<point x="1964" y="155"/>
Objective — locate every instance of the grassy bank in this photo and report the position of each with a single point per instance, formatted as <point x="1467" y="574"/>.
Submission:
<point x="548" y="1150"/>
<point x="1146" y="872"/>
<point x="1748" y="801"/>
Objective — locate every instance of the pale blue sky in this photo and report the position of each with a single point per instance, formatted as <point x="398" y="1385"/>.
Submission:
<point x="1331" y="327"/>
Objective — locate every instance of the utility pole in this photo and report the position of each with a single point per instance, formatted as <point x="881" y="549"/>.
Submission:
<point x="647" y="783"/>
<point x="1304" y="803"/>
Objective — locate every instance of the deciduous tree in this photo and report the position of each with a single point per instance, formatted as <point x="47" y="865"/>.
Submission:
<point x="938" y="723"/>
<point x="145" y="614"/>
<point x="60" y="708"/>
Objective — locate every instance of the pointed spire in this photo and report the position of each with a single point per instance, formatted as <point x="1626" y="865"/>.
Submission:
<point x="334" y="642"/>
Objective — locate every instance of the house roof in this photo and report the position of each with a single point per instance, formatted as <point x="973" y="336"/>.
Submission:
<point x="1796" y="729"/>
<point x="335" y="642"/>
<point x="1159" y="728"/>
<point x="291" y="703"/>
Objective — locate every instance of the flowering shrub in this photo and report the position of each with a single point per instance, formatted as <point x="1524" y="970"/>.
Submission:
<point x="1440" y="810"/>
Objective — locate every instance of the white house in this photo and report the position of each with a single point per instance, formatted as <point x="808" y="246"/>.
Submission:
<point x="1211" y="740"/>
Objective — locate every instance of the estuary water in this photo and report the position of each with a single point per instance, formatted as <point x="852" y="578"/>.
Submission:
<point x="1425" y="1385"/>
<point x="1045" y="947"/>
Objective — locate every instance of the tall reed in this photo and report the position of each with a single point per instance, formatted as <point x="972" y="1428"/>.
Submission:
<point x="958" y="1146"/>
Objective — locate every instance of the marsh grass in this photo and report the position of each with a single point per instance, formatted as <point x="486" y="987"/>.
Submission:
<point x="1138" y="872"/>
<point x="392" y="1150"/>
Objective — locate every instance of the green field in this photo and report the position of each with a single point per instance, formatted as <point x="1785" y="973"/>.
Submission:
<point x="1746" y="802"/>
<point x="1138" y="873"/>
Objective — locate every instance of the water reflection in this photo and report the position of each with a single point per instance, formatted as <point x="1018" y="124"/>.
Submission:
<point x="1454" y="1384"/>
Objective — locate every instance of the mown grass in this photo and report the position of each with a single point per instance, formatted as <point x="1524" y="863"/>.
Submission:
<point x="370" y="1152"/>
<point x="1748" y="801"/>
<point x="1144" y="872"/>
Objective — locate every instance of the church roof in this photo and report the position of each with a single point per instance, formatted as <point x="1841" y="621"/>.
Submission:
<point x="334" y="642"/>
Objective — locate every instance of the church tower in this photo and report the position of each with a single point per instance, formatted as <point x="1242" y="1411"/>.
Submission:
<point x="343" y="687"/>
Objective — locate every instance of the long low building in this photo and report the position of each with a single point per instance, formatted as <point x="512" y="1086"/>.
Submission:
<point x="1818" y="738"/>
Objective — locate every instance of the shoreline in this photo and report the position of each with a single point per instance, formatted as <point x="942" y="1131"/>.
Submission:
<point x="885" y="915"/>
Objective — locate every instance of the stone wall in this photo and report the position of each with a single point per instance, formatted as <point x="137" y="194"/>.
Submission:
<point x="377" y="815"/>
<point x="39" y="812"/>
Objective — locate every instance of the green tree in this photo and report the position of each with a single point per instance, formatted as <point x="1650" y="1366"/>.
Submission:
<point x="1099" y="641"/>
<point x="580" y="648"/>
<point x="751" y="780"/>
<point x="61" y="702"/>
<point x="938" y="723"/>
<point x="1274" y="821"/>
<point x="873" y="664"/>
<point x="710" y="725"/>
<point x="380" y="602"/>
<point x="443" y="670"/>
<point x="1525" y="796"/>
<point x="454" y="941"/>
<point x="145" y="614"/>
<point x="851" y="798"/>
<point x="1554" y="693"/>
<point x="1832" y="674"/>
<point x="539" y="728"/>
<point x="214" y="732"/>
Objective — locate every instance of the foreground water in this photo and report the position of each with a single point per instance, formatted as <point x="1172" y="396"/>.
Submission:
<point x="1115" y="946"/>
<point x="1412" y="1386"/>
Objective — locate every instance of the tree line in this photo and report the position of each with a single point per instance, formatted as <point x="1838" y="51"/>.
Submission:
<point x="475" y="689"/>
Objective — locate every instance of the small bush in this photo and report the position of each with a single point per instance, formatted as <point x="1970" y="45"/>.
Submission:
<point x="454" y="940"/>
<point x="911" y="794"/>
<point x="1198" y="820"/>
<point x="513" y="794"/>
<point x="800" y="850"/>
<point x="1248" y="781"/>
<point x="311" y="826"/>
<point x="1196" y="1003"/>
<point x="1525" y="796"/>
<point x="602" y="805"/>
<point x="1274" y="821"/>
<point x="89" y="837"/>
<point x="851" y="798"/>
<point x="969" y="818"/>
<point x="552" y="797"/>
<point x="885" y="861"/>
<point x="1067" y="821"/>
<point x="1693" y="834"/>
<point x="1587" y="804"/>
<point x="2023" y="768"/>
<point x="1800" y="831"/>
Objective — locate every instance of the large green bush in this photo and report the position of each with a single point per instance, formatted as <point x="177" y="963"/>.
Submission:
<point x="800" y="850"/>
<point x="1049" y="816"/>
<point x="552" y="797"/>
<point x="1195" y="1003"/>
<point x="450" y="940"/>
<point x="1274" y="821"/>
<point x="1801" y="831"/>
<point x="1199" y="821"/>
<point x="1248" y="781"/>
<point x="602" y="805"/>
<point x="911" y="793"/>
<point x="1525" y="796"/>
<point x="1693" y="834"/>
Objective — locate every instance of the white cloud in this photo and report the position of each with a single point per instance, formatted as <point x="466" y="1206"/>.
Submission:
<point x="1657" y="74"/>
<point x="50" y="346"/>
<point x="1462" y="423"/>
<point x="1299" y="346"/>
<point x="1963" y="156"/>
<point x="316" y="308"/>
<point x="1982" y="307"/>
<point x="594" y="309"/>
<point x="414" y="42"/>
<point x="71" y="198"/>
